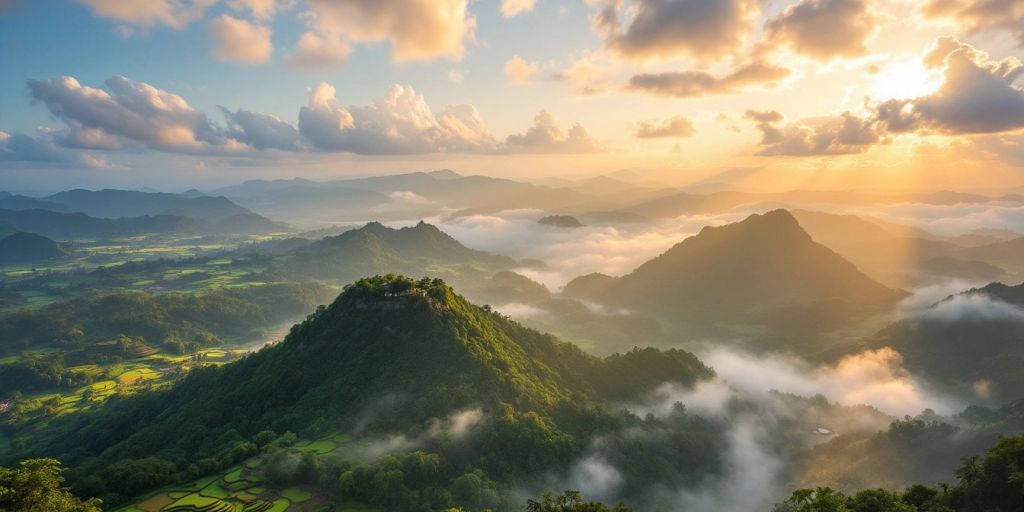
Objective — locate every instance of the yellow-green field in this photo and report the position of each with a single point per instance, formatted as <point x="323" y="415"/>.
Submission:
<point x="243" y="488"/>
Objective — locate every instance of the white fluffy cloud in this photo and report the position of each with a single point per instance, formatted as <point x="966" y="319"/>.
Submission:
<point x="241" y="41"/>
<point x="677" y="126"/>
<point x="824" y="29"/>
<point x="261" y="9"/>
<point x="510" y="8"/>
<point x="672" y="28"/>
<point x="263" y="131"/>
<point x="416" y="29"/>
<point x="131" y="110"/>
<point x="546" y="137"/>
<point x="694" y="84"/>
<point x="147" y="13"/>
<point x="399" y="123"/>
<point x="980" y="16"/>
<point x="19" y="149"/>
<point x="837" y="135"/>
<point x="520" y="71"/>
<point x="314" y="49"/>
<point x="977" y="95"/>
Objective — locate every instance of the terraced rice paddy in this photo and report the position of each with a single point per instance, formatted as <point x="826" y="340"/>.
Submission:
<point x="243" y="489"/>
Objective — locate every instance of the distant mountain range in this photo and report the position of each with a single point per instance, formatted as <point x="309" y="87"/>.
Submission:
<point x="76" y="226"/>
<point x="903" y="256"/>
<point x="682" y="203"/>
<point x="77" y="214"/>
<point x="109" y="203"/>
<point x="764" y="273"/>
<point x="400" y="196"/>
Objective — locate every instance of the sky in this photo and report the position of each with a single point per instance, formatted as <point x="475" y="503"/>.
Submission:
<point x="755" y="94"/>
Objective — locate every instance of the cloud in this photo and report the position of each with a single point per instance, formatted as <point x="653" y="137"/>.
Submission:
<point x="838" y="135"/>
<point x="171" y="13"/>
<point x="824" y="29"/>
<point x="694" y="84"/>
<point x="595" y="477"/>
<point x="400" y="123"/>
<point x="131" y="110"/>
<point x="86" y="138"/>
<point x="19" y="149"/>
<point x="261" y="9"/>
<point x="977" y="95"/>
<point x="519" y="71"/>
<point x="240" y="41"/>
<point x="416" y="29"/>
<point x="973" y="307"/>
<point x="753" y="472"/>
<point x="314" y="50"/>
<point x="980" y="16"/>
<point x="457" y="425"/>
<point x="872" y="377"/>
<point x="590" y="73"/>
<point x="519" y="310"/>
<point x="677" y="126"/>
<point x="569" y="253"/>
<point x="262" y="131"/>
<point x="510" y="8"/>
<point x="545" y="137"/>
<point x="663" y="29"/>
<point x="456" y="77"/>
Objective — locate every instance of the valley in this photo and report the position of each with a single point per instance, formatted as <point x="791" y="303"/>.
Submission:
<point x="174" y="372"/>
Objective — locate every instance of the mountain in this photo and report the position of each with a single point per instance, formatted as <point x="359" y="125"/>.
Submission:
<point x="17" y="202"/>
<point x="560" y="221"/>
<point x="893" y="254"/>
<point x="25" y="248"/>
<point x="375" y="249"/>
<point x="763" y="272"/>
<point x="1008" y="254"/>
<point x="401" y="196"/>
<point x="968" y="343"/>
<point x="73" y="226"/>
<point x="388" y="353"/>
<point x="110" y="203"/>
<point x="691" y="202"/>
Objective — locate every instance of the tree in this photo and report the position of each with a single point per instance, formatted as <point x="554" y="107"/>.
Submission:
<point x="571" y="501"/>
<point x="36" y="485"/>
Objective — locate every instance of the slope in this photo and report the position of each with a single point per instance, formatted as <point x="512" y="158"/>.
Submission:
<point x="764" y="271"/>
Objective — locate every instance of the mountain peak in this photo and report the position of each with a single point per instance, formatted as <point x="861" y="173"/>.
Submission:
<point x="765" y="268"/>
<point x="774" y="223"/>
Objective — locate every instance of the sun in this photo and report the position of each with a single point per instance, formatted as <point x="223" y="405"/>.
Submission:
<point x="903" y="79"/>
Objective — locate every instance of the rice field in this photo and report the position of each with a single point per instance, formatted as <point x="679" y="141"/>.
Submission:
<point x="243" y="489"/>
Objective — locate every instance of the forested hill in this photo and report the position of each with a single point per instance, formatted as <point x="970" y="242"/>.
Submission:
<point x="414" y="345"/>
<point x="375" y="248"/>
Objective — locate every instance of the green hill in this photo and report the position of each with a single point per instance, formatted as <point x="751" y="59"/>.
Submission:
<point x="378" y="249"/>
<point x="27" y="248"/>
<point x="968" y="343"/>
<point x="410" y="350"/>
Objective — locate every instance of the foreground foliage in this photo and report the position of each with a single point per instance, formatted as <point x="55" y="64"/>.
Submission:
<point x="992" y="482"/>
<point x="36" y="485"/>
